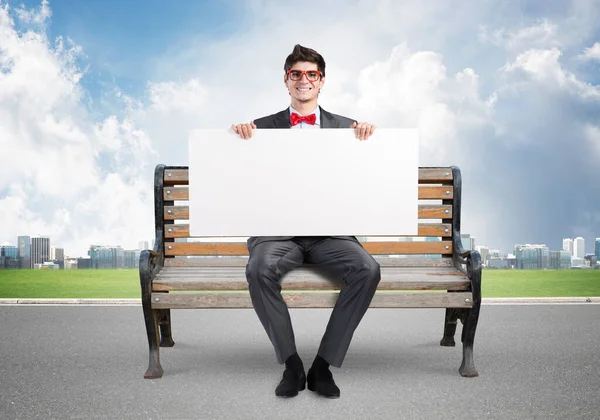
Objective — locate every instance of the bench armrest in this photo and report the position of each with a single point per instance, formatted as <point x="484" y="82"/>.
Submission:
<point x="151" y="261"/>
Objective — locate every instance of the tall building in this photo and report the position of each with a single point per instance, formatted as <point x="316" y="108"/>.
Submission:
<point x="579" y="247"/>
<point x="591" y="260"/>
<point x="131" y="258"/>
<point x="9" y="251"/>
<point x="597" y="248"/>
<point x="468" y="242"/>
<point x="9" y="257"/>
<point x="484" y="251"/>
<point x="560" y="260"/>
<point x="57" y="254"/>
<point x="142" y="245"/>
<point x="106" y="256"/>
<point x="84" y="263"/>
<point x="40" y="250"/>
<point x="24" y="245"/>
<point x="532" y="257"/>
<point x="568" y="245"/>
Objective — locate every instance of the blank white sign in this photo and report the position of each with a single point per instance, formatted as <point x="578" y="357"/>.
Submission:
<point x="284" y="182"/>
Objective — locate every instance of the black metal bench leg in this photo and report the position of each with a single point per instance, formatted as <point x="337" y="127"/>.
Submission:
<point x="449" y="327"/>
<point x="154" y="368"/>
<point x="467" y="368"/>
<point x="166" y="340"/>
<point x="150" y="318"/>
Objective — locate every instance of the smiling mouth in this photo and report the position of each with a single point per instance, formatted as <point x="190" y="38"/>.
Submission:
<point x="304" y="89"/>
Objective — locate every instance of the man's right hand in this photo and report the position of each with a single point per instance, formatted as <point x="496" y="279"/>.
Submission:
<point x="244" y="130"/>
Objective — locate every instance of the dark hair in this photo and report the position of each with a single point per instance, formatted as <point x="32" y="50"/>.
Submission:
<point x="301" y="53"/>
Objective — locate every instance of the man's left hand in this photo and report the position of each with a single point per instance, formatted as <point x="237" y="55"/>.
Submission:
<point x="363" y="130"/>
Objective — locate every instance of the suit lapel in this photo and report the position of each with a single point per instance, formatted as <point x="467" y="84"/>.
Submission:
<point x="327" y="120"/>
<point x="282" y="119"/>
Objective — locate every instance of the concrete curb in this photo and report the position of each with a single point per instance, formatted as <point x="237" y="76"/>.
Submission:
<point x="77" y="301"/>
<point x="138" y="302"/>
<point x="540" y="300"/>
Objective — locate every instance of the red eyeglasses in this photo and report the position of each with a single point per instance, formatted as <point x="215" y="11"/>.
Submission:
<point x="311" y="75"/>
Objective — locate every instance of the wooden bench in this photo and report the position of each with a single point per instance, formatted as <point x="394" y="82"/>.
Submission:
<point x="213" y="274"/>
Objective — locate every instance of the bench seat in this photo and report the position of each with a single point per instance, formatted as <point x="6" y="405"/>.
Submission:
<point x="306" y="278"/>
<point x="215" y="285"/>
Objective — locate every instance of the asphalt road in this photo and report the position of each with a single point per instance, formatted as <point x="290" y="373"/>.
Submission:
<point x="81" y="362"/>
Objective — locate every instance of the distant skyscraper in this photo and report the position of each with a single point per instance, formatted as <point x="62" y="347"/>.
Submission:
<point x="484" y="251"/>
<point x="131" y="258"/>
<point x="532" y="257"/>
<point x="106" y="257"/>
<point x="579" y="247"/>
<point x="560" y="260"/>
<point x="568" y="245"/>
<point x="40" y="250"/>
<point x="597" y="248"/>
<point x="24" y="245"/>
<point x="9" y="251"/>
<point x="468" y="242"/>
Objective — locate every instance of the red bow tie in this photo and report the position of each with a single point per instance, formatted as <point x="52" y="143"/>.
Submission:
<point x="296" y="118"/>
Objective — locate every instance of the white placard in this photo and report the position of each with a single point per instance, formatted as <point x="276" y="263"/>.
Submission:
<point x="284" y="182"/>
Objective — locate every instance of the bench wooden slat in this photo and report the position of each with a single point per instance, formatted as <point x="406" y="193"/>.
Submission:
<point x="426" y="211"/>
<point x="311" y="300"/>
<point x="425" y="229"/>
<point x="234" y="278"/>
<point x="241" y="261"/>
<point x="373" y="248"/>
<point x="426" y="176"/>
<point x="426" y="192"/>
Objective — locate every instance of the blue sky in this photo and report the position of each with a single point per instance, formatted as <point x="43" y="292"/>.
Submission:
<point x="508" y="91"/>
<point x="123" y="39"/>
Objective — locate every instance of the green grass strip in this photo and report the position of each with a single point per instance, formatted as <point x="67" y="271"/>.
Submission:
<point x="107" y="284"/>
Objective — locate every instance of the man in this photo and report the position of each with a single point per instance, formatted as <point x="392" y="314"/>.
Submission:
<point x="272" y="257"/>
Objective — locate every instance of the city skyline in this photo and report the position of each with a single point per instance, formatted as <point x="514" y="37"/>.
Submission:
<point x="145" y="244"/>
<point x="79" y="145"/>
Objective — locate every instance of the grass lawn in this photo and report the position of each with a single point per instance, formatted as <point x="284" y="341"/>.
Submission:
<point x="125" y="283"/>
<point x="69" y="284"/>
<point x="540" y="283"/>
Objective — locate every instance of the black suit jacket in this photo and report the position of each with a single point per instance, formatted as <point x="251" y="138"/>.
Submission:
<point x="282" y="120"/>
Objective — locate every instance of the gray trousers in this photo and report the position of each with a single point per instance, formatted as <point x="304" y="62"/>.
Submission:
<point x="347" y="260"/>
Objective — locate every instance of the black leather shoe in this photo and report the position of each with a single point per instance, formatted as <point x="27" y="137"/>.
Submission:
<point x="292" y="382"/>
<point x="321" y="381"/>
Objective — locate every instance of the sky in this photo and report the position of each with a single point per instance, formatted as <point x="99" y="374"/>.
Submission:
<point x="95" y="93"/>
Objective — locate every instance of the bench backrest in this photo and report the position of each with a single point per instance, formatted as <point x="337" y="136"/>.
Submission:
<point x="437" y="241"/>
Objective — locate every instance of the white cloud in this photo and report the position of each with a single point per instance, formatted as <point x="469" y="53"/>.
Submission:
<point x="591" y="53"/>
<point x="543" y="66"/>
<point x="62" y="174"/>
<point x="39" y="16"/>
<point x="592" y="135"/>
<point x="188" y="96"/>
<point x="414" y="90"/>
<point x="542" y="34"/>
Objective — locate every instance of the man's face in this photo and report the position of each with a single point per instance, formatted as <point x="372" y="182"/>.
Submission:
<point x="304" y="90"/>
